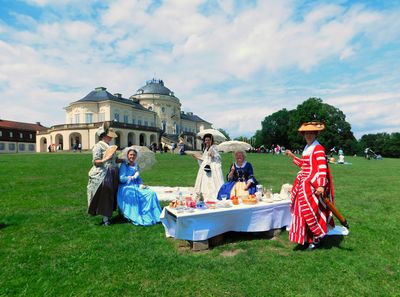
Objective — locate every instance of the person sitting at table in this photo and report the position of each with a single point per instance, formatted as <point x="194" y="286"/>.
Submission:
<point x="241" y="181"/>
<point x="137" y="202"/>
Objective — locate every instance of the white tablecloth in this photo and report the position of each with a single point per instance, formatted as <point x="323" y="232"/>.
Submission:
<point x="204" y="224"/>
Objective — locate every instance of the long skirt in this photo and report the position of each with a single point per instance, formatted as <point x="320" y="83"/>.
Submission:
<point x="139" y="205"/>
<point x="104" y="202"/>
<point x="235" y="188"/>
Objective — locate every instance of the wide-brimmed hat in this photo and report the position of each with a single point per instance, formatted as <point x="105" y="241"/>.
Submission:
<point x="111" y="133"/>
<point x="311" y="127"/>
<point x="103" y="130"/>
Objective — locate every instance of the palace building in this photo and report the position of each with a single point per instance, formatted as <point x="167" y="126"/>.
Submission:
<point x="152" y="115"/>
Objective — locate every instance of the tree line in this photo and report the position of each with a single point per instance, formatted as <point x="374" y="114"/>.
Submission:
<point x="281" y="128"/>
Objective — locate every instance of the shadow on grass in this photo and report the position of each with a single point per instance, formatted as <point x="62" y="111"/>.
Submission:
<point x="329" y="242"/>
<point x="333" y="241"/>
<point x="119" y="219"/>
<point x="235" y="237"/>
<point x="2" y="225"/>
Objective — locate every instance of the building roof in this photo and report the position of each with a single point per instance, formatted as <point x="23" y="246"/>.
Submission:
<point x="155" y="86"/>
<point x="189" y="116"/>
<point x="21" y="126"/>
<point x="100" y="94"/>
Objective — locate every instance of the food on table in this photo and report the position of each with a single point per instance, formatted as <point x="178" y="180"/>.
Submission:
<point x="235" y="200"/>
<point x="251" y="199"/>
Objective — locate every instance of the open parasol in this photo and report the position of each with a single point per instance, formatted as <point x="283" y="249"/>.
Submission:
<point x="145" y="158"/>
<point x="218" y="136"/>
<point x="233" y="146"/>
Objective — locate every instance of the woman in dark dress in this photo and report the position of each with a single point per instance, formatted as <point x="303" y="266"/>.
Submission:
<point x="241" y="180"/>
<point x="103" y="178"/>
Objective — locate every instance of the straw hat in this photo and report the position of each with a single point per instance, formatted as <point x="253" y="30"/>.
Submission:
<point x="111" y="133"/>
<point x="108" y="131"/>
<point x="312" y="126"/>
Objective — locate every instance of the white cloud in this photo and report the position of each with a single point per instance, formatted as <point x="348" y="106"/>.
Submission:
<point x="196" y="55"/>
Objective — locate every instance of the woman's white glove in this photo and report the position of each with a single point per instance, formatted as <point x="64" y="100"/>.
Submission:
<point x="136" y="175"/>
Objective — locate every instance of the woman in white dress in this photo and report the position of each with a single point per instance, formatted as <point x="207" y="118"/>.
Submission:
<point x="210" y="177"/>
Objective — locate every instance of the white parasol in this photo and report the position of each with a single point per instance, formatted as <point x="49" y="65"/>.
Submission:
<point x="218" y="136"/>
<point x="145" y="157"/>
<point x="233" y="146"/>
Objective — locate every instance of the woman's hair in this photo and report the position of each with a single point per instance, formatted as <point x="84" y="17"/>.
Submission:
<point x="240" y="152"/>
<point x="102" y="135"/>
<point x="208" y="135"/>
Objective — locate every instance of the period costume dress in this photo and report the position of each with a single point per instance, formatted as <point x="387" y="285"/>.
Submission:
<point x="209" y="177"/>
<point x="310" y="217"/>
<point x="235" y="185"/>
<point x="103" y="183"/>
<point x="137" y="204"/>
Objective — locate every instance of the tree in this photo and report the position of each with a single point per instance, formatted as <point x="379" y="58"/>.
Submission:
<point x="225" y="133"/>
<point x="274" y="129"/>
<point x="281" y="127"/>
<point x="337" y="131"/>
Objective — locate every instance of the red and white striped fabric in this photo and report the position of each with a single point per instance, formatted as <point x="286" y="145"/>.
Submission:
<point x="310" y="216"/>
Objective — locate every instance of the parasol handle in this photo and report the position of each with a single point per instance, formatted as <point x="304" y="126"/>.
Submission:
<point x="335" y="211"/>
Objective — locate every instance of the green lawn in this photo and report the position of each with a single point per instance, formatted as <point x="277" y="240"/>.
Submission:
<point x="49" y="246"/>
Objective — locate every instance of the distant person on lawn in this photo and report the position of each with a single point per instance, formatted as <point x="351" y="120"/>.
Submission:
<point x="310" y="217"/>
<point x="137" y="202"/>
<point x="103" y="178"/>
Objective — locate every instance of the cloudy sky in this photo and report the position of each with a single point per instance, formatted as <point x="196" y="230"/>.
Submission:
<point x="230" y="62"/>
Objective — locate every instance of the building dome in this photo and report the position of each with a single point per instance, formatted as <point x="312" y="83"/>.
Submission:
<point x="155" y="86"/>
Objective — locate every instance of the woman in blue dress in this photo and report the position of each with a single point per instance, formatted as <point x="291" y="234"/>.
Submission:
<point x="240" y="179"/>
<point x="136" y="201"/>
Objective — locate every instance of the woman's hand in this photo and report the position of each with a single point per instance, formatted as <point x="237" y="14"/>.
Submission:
<point x="289" y="154"/>
<point x="319" y="191"/>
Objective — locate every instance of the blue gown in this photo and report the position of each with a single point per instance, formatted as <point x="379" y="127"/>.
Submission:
<point x="139" y="205"/>
<point x="242" y="174"/>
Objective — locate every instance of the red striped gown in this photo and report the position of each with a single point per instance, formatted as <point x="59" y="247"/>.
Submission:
<point x="310" y="217"/>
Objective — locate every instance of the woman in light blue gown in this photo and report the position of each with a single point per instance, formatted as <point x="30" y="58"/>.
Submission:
<point x="137" y="202"/>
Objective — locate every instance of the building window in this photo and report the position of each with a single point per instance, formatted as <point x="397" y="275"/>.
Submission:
<point x="89" y="118"/>
<point x="21" y="135"/>
<point x="102" y="117"/>
<point x="133" y="121"/>
<point x="139" y="122"/>
<point x="11" y="146"/>
<point x="2" y="146"/>
<point x="77" y="118"/>
<point x="32" y="147"/>
<point x="150" y="108"/>
<point x="126" y="120"/>
<point x="162" y="109"/>
<point x="1" y="133"/>
<point x="30" y="135"/>
<point x="116" y="117"/>
<point x="70" y="120"/>
<point x="11" y="134"/>
<point x="21" y="146"/>
<point x="146" y="123"/>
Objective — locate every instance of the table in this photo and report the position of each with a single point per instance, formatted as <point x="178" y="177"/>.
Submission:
<point x="201" y="225"/>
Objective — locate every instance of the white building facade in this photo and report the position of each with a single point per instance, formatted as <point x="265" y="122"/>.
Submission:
<point x="151" y="115"/>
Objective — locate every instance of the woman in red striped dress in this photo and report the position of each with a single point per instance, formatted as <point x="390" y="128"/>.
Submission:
<point x="311" y="219"/>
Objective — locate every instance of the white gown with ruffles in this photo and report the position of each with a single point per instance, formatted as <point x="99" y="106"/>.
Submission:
<point x="209" y="183"/>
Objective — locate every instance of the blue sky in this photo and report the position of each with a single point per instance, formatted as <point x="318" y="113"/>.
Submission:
<point x="230" y="62"/>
